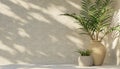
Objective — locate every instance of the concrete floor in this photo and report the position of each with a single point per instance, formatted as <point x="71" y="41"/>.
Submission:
<point x="32" y="66"/>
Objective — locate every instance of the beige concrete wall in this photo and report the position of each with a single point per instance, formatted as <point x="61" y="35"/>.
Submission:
<point x="112" y="42"/>
<point x="34" y="32"/>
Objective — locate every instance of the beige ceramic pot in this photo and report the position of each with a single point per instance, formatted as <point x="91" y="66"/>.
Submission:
<point x="85" y="61"/>
<point x="98" y="52"/>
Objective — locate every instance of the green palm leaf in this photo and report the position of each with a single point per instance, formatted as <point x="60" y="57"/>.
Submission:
<point x="95" y="18"/>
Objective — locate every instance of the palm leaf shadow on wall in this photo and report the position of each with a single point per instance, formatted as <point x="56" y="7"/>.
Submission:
<point x="30" y="32"/>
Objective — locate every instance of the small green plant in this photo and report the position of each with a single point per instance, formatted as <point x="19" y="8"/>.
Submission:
<point x="84" y="52"/>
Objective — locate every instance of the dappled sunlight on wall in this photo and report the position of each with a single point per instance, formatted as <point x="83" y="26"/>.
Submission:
<point x="112" y="42"/>
<point x="7" y="11"/>
<point x="118" y="56"/>
<point x="34" y="32"/>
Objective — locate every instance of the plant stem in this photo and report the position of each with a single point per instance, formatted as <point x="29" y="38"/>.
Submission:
<point x="97" y="35"/>
<point x="103" y="37"/>
<point x="91" y="35"/>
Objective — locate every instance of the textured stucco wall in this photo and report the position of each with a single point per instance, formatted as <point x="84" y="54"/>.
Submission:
<point x="112" y="42"/>
<point x="34" y="32"/>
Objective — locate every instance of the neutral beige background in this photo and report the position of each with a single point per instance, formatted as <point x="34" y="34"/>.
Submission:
<point x="34" y="32"/>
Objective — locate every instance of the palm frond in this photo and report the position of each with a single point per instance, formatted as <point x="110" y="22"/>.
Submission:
<point x="95" y="18"/>
<point x="116" y="28"/>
